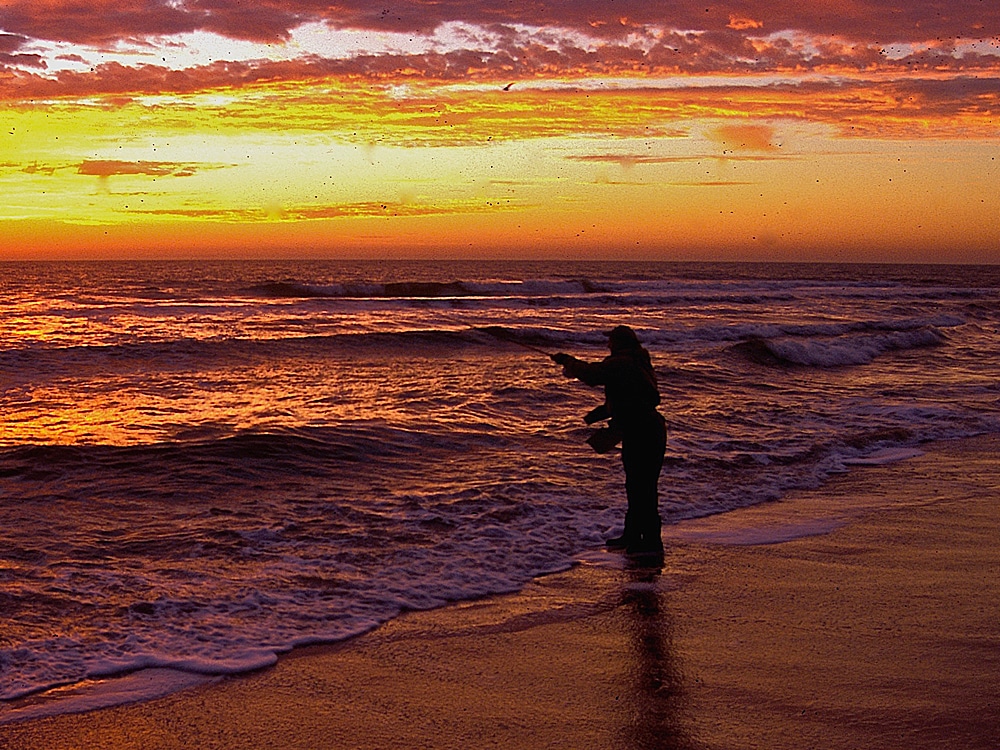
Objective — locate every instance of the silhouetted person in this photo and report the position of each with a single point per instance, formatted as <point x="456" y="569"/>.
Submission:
<point x="631" y="398"/>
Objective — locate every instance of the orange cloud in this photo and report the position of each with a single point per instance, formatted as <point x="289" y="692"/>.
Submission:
<point x="102" y="21"/>
<point x="740" y="137"/>
<point x="428" y="113"/>
<point x="109" y="167"/>
<point x="361" y="209"/>
<point x="742" y="23"/>
<point x="630" y="160"/>
<point x="758" y="60"/>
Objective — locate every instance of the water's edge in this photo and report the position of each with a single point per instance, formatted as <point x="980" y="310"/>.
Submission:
<point x="769" y="523"/>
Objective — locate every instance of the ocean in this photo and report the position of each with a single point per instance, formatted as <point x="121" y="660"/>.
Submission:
<point x="204" y="465"/>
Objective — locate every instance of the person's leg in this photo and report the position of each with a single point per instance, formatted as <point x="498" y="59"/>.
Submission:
<point x="631" y="461"/>
<point x="643" y="462"/>
<point x="630" y="534"/>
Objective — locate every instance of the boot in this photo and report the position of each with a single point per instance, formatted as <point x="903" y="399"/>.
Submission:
<point x="630" y="534"/>
<point x="647" y="544"/>
<point x="619" y="542"/>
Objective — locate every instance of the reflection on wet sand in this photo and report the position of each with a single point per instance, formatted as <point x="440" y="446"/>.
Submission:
<point x="655" y="722"/>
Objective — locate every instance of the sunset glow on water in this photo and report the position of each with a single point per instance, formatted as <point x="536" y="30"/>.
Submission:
<point x="206" y="464"/>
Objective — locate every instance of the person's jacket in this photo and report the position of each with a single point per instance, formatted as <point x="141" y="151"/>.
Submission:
<point x="629" y="382"/>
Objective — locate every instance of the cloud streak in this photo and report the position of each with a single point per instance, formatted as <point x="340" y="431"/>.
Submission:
<point x="745" y="115"/>
<point x="884" y="21"/>
<point x="105" y="168"/>
<point x="356" y="210"/>
<point x="628" y="161"/>
<point x="413" y="93"/>
<point x="452" y="39"/>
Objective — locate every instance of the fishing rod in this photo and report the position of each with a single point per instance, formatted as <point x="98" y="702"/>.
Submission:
<point x="505" y="335"/>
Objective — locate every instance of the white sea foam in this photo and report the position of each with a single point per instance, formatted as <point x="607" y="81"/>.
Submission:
<point x="851" y="350"/>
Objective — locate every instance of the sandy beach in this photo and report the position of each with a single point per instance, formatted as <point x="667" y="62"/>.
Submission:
<point x="881" y="632"/>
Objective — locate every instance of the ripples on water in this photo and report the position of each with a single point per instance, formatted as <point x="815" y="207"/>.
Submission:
<point x="204" y="464"/>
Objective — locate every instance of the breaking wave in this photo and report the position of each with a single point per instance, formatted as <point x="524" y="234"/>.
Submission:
<point x="841" y="351"/>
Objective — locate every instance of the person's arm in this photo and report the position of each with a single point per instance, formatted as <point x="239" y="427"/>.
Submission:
<point x="591" y="373"/>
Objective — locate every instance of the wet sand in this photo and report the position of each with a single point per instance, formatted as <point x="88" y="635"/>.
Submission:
<point x="882" y="633"/>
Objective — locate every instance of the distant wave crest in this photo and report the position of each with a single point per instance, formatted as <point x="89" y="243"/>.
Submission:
<point x="838" y="351"/>
<point x="422" y="289"/>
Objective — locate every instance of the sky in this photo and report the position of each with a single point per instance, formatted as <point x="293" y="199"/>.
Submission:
<point x="845" y="130"/>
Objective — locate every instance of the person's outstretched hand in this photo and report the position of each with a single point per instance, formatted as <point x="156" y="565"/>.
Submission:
<point x="561" y="358"/>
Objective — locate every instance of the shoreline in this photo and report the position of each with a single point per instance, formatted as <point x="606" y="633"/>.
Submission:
<point x="877" y="630"/>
